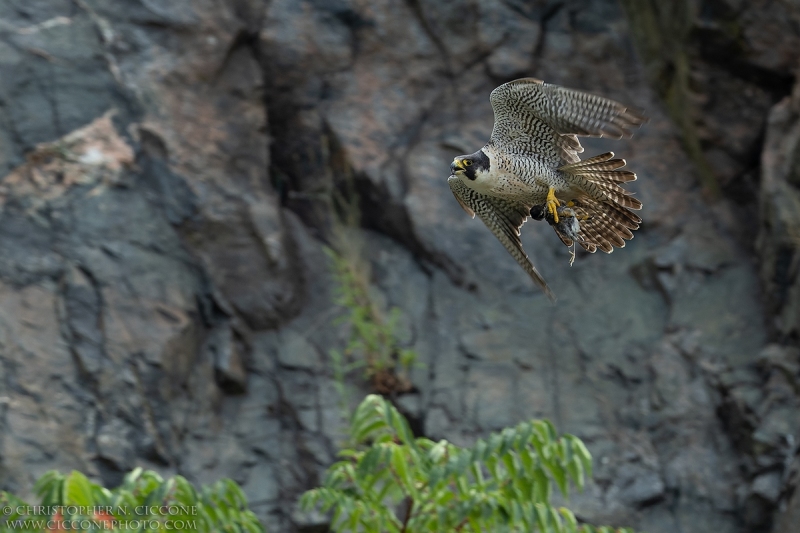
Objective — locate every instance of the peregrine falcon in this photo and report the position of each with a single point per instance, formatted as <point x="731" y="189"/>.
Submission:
<point x="530" y="167"/>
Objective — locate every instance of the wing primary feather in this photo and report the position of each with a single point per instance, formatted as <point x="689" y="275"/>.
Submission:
<point x="529" y="104"/>
<point x="504" y="219"/>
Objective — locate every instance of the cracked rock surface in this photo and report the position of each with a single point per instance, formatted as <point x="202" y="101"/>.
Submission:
<point x="166" y="301"/>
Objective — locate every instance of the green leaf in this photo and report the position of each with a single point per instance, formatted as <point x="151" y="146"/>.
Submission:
<point x="526" y="459"/>
<point x="570" y="519"/>
<point x="355" y="517"/>
<point x="9" y="500"/>
<point x="362" y="433"/>
<point x="398" y="423"/>
<point x="541" y="516"/>
<point x="50" y="488"/>
<point x="474" y="524"/>
<point x="474" y="489"/>
<point x="542" y="486"/>
<point x="78" y="490"/>
<point x="400" y="466"/>
<point x="479" y="451"/>
<point x="526" y="486"/>
<point x="438" y="451"/>
<point x="558" y="474"/>
<point x="575" y="469"/>
<point x="583" y="453"/>
<point x="554" y="519"/>
<point x="477" y="475"/>
<point x="510" y="463"/>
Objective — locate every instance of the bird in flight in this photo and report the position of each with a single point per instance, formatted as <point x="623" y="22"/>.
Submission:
<point x="530" y="167"/>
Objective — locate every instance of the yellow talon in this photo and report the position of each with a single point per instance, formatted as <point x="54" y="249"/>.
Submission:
<point x="553" y="203"/>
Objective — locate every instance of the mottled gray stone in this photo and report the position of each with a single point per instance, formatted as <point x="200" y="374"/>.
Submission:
<point x="254" y="424"/>
<point x="437" y="423"/>
<point x="410" y="404"/>
<point x="301" y="388"/>
<point x="489" y="396"/>
<point x="82" y="307"/>
<point x="308" y="418"/>
<point x="243" y="116"/>
<point x="295" y="351"/>
<point x="644" y="487"/>
<point x="262" y="483"/>
<point x="114" y="444"/>
<point x="780" y="216"/>
<point x="493" y="344"/>
<point x="60" y="53"/>
<point x="722" y="316"/>
<point x="310" y="520"/>
<point x="768" y="486"/>
<point x="787" y="516"/>
<point x="221" y="347"/>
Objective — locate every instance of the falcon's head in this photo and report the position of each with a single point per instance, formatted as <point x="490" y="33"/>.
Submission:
<point x="470" y="166"/>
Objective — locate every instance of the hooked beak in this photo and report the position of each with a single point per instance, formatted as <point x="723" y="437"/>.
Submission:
<point x="456" y="165"/>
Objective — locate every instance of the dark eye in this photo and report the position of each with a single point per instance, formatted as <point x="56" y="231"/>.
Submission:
<point x="467" y="162"/>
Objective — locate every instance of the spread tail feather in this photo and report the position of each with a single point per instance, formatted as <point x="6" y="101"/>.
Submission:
<point x="605" y="211"/>
<point x="604" y="225"/>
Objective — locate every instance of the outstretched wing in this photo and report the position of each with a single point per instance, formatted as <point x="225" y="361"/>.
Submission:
<point x="504" y="218"/>
<point x="533" y="117"/>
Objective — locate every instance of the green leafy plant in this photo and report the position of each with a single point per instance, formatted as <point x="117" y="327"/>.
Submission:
<point x="372" y="344"/>
<point x="396" y="483"/>
<point x="144" y="502"/>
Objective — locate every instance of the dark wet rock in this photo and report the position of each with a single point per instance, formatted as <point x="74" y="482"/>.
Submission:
<point x="115" y="444"/>
<point x="768" y="486"/>
<point x="295" y="351"/>
<point x="165" y="299"/>
<point x="718" y="68"/>
<point x="780" y="217"/>
<point x="225" y="350"/>
<point x="640" y="486"/>
<point x="82" y="308"/>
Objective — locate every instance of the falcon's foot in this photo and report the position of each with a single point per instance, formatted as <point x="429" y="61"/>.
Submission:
<point x="567" y="227"/>
<point x="552" y="203"/>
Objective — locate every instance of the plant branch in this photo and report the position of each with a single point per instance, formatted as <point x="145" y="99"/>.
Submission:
<point x="408" y="514"/>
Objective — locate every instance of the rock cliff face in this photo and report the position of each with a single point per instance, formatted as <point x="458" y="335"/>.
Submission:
<point x="165" y="299"/>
